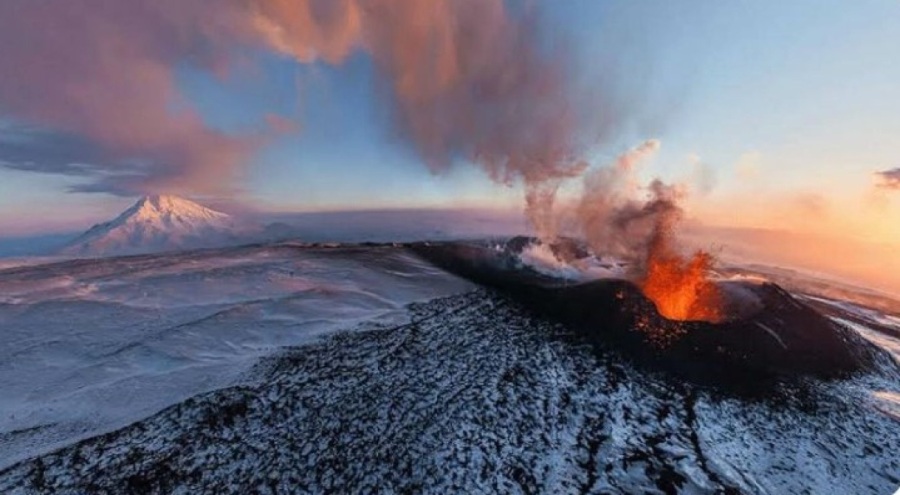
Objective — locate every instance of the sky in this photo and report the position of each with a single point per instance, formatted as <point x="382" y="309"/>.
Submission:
<point x="777" y="115"/>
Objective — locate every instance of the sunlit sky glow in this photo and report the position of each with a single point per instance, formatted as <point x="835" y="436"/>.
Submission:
<point x="778" y="114"/>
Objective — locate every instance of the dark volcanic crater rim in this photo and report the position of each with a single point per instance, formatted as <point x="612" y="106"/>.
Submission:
<point x="782" y="339"/>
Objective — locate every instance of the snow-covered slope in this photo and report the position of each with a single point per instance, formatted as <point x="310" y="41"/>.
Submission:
<point x="87" y="346"/>
<point x="474" y="395"/>
<point x="157" y="224"/>
<point x="292" y="368"/>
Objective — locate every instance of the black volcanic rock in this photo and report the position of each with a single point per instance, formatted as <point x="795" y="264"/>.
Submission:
<point x="773" y="337"/>
<point x="476" y="395"/>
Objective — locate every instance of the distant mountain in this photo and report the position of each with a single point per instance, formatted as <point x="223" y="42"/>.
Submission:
<point x="160" y="223"/>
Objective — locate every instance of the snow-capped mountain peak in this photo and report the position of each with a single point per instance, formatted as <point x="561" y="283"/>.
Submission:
<point x="171" y="211"/>
<point x="158" y="223"/>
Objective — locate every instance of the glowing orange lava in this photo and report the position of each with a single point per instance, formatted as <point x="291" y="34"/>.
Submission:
<point x="680" y="286"/>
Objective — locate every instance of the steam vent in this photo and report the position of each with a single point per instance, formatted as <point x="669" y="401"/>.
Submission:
<point x="764" y="334"/>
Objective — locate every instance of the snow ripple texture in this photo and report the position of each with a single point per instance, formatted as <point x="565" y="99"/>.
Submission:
<point x="475" y="396"/>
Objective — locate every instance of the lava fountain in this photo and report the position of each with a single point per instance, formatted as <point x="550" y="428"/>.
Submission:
<point x="680" y="286"/>
<point x="777" y="338"/>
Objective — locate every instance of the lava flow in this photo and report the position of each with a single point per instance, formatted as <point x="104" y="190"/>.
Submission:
<point x="678" y="285"/>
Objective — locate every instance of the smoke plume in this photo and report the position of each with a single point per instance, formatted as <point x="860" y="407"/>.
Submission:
<point x="610" y="214"/>
<point x="467" y="79"/>
<point x="103" y="70"/>
<point x="619" y="216"/>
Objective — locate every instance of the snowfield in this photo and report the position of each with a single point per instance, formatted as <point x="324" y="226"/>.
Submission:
<point x="355" y="369"/>
<point x="91" y="345"/>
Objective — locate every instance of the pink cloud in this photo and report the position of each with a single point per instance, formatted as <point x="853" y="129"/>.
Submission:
<point x="889" y="179"/>
<point x="465" y="78"/>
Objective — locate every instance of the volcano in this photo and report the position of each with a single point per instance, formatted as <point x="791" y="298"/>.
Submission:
<point x="157" y="224"/>
<point x="359" y="368"/>
<point x="767" y="335"/>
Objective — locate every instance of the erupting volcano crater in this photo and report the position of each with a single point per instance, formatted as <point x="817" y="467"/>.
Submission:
<point x="755" y="335"/>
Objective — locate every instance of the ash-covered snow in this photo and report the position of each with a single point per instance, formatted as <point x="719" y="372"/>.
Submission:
<point x="205" y="365"/>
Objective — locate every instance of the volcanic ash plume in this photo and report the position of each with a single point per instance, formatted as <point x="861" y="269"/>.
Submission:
<point x="614" y="222"/>
<point x="608" y="214"/>
<point x="467" y="79"/>
<point x="105" y="70"/>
